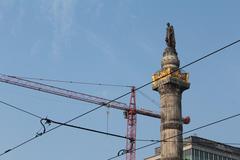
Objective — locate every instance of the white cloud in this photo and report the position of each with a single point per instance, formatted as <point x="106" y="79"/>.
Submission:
<point x="99" y="9"/>
<point x="106" y="49"/>
<point x="34" y="50"/>
<point x="60" y="13"/>
<point x="6" y="7"/>
<point x="6" y="4"/>
<point x="18" y="21"/>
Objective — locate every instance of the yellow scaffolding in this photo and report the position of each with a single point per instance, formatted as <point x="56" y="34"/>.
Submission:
<point x="169" y="72"/>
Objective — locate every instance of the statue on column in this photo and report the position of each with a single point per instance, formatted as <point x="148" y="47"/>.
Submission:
<point x="170" y="37"/>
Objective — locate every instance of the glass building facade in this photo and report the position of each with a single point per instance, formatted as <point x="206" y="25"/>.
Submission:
<point x="196" y="148"/>
<point x="196" y="154"/>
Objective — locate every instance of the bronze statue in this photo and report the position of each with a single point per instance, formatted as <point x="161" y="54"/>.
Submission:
<point x="170" y="37"/>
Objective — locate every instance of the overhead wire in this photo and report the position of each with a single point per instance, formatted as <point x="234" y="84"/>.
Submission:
<point x="74" y="82"/>
<point x="192" y="130"/>
<point x="21" y="110"/>
<point x="87" y="129"/>
<point x="191" y="63"/>
<point x="149" y="98"/>
<point x="59" y="123"/>
<point x="138" y="88"/>
<point x="78" y="127"/>
<point x="93" y="130"/>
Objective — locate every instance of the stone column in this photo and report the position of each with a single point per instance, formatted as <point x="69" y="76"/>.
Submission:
<point x="171" y="122"/>
<point x="170" y="82"/>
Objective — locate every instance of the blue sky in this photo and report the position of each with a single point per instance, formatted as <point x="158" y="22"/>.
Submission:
<point x="117" y="42"/>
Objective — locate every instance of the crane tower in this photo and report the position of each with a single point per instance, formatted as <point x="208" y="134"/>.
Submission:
<point x="130" y="111"/>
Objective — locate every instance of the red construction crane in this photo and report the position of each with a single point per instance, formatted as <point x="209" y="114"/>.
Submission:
<point x="131" y="127"/>
<point x="130" y="111"/>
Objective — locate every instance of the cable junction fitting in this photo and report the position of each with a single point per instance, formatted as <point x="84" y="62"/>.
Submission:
<point x="44" y="122"/>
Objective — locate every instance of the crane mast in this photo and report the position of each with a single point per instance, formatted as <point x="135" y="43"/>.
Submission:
<point x="131" y="111"/>
<point x="131" y="127"/>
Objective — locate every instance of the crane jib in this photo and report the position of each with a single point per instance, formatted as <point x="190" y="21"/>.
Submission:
<point x="71" y="94"/>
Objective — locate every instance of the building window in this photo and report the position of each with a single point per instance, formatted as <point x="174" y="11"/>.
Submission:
<point x="193" y="154"/>
<point x="201" y="155"/>
<point x="220" y="158"/>
<point x="210" y="156"/>
<point x="187" y="154"/>
<point x="197" y="157"/>
<point x="206" y="155"/>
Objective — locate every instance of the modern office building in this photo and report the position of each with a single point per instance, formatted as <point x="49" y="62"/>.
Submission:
<point x="196" y="148"/>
